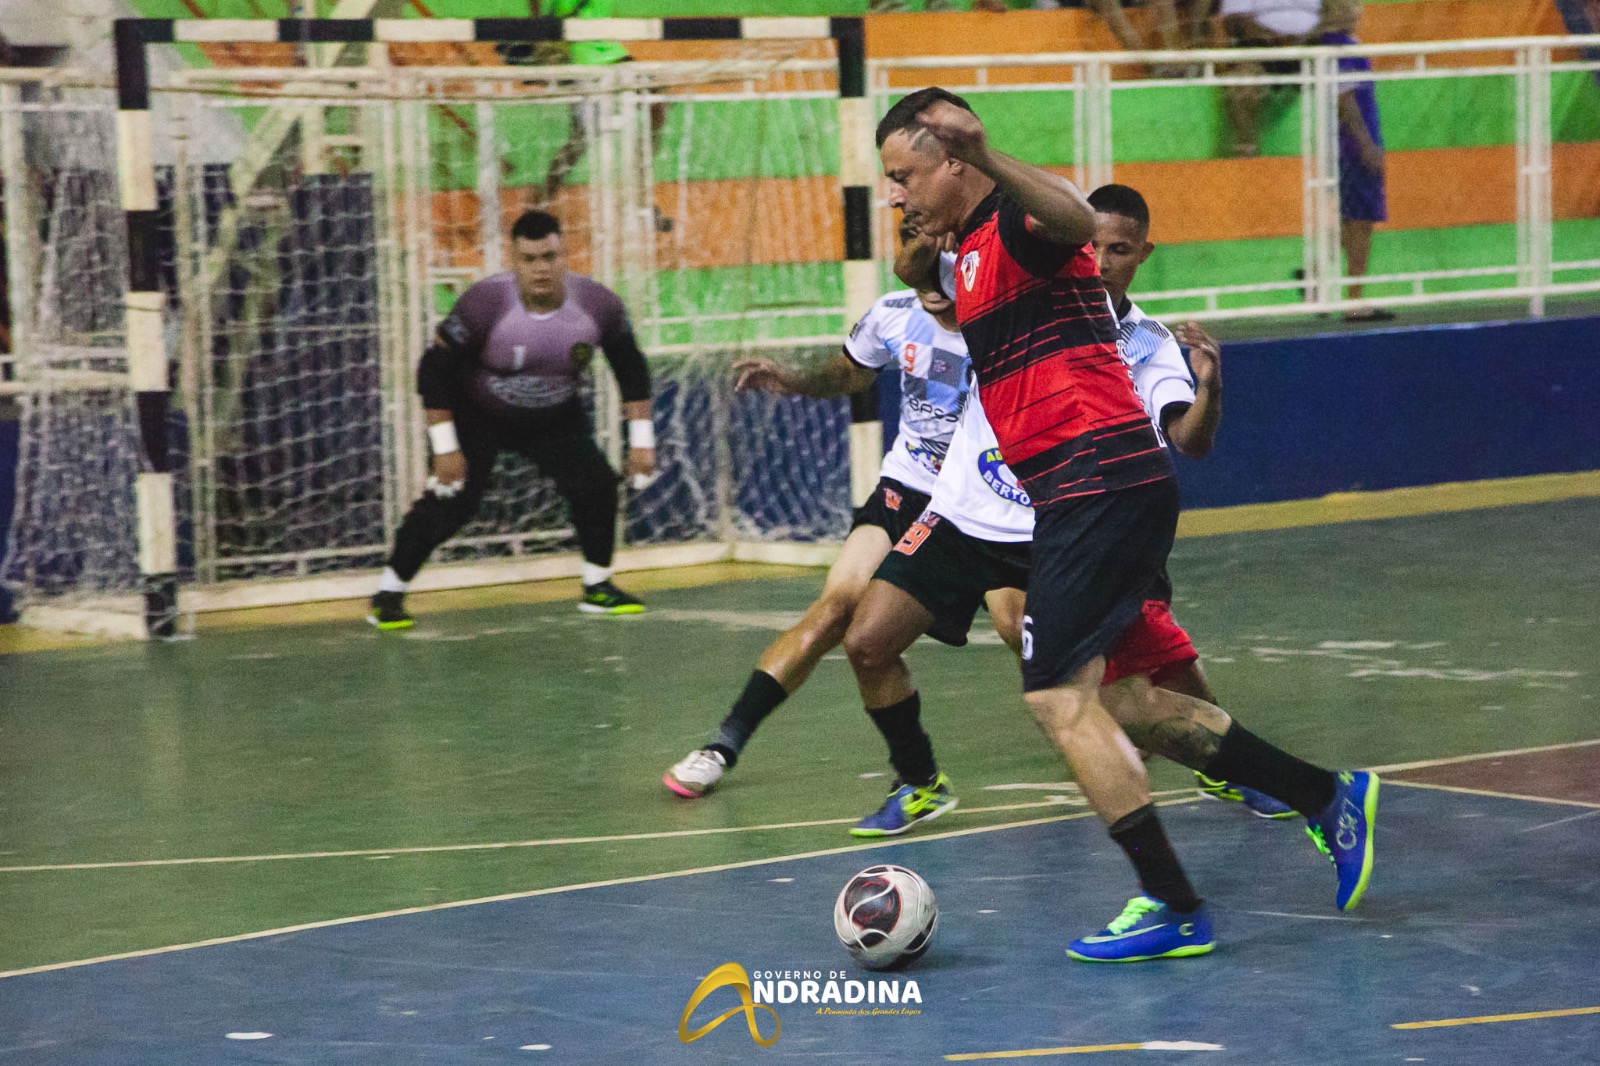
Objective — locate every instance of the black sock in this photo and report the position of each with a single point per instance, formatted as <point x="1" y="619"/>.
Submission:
<point x="910" y="750"/>
<point x="1245" y="759"/>
<point x="1160" y="875"/>
<point x="760" y="697"/>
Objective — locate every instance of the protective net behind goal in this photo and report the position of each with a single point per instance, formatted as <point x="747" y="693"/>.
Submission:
<point x="317" y="225"/>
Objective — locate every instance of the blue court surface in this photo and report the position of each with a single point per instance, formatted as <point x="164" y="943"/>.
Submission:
<point x="1481" y="906"/>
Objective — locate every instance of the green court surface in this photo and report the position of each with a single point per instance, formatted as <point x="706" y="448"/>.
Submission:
<point x="161" y="794"/>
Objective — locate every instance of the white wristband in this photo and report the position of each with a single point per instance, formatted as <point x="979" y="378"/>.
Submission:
<point x="641" y="433"/>
<point x="443" y="438"/>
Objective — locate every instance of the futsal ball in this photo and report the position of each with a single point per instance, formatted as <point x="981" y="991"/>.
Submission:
<point x="885" y="917"/>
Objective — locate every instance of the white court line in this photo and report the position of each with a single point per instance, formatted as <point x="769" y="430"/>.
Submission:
<point x="428" y="849"/>
<point x="1424" y="764"/>
<point x="639" y="879"/>
<point x="1495" y="795"/>
<point x="1564" y="821"/>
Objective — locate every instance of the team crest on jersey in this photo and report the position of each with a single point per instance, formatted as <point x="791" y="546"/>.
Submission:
<point x="581" y="355"/>
<point x="969" y="269"/>
<point x="992" y="468"/>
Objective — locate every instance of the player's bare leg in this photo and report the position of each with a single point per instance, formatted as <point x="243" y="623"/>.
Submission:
<point x="1102" y="757"/>
<point x="1168" y="919"/>
<point x="786" y="663"/>
<point x="888" y="621"/>
<point x="1005" y="611"/>
<point x="1340" y="807"/>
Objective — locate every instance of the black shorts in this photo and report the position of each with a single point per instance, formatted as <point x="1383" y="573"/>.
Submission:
<point x="892" y="508"/>
<point x="949" y="573"/>
<point x="1096" y="559"/>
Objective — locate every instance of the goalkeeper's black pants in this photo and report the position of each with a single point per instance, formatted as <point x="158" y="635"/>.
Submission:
<point x="561" y="446"/>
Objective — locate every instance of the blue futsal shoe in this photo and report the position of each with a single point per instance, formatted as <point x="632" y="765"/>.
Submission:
<point x="1343" y="832"/>
<point x="907" y="806"/>
<point x="1259" y="803"/>
<point x="1147" y="929"/>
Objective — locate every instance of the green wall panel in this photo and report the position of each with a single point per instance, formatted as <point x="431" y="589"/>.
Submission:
<point x="736" y="289"/>
<point x="1574" y="106"/>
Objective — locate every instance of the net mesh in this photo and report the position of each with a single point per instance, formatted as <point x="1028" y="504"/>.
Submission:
<point x="316" y="226"/>
<point x="72" y="536"/>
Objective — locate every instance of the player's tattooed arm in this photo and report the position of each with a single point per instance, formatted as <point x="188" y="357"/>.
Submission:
<point x="1057" y="210"/>
<point x="839" y="376"/>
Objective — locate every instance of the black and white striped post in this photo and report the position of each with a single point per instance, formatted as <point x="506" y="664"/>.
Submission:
<point x="147" y="351"/>
<point x="147" y="356"/>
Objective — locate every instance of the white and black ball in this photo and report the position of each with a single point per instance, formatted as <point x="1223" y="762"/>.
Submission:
<point x="885" y="917"/>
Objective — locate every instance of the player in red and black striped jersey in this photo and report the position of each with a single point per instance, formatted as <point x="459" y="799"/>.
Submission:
<point x="1042" y="339"/>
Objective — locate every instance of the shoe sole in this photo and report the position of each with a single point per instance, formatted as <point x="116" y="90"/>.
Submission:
<point x="594" y="608"/>
<point x="1369" y="810"/>
<point x="1185" y="952"/>
<point x="387" y="626"/>
<point x="908" y="827"/>
<point x="683" y="790"/>
<point x="1291" y="813"/>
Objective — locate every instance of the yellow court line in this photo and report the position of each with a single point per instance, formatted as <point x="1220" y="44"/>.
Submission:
<point x="529" y="894"/>
<point x="1490" y="1019"/>
<point x="1496" y="795"/>
<point x="1389" y="503"/>
<point x="429" y="849"/>
<point x="1086" y="1049"/>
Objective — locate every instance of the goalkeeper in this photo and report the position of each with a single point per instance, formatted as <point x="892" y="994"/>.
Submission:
<point x="503" y="374"/>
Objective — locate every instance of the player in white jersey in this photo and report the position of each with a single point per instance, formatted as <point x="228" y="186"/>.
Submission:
<point x="973" y="545"/>
<point x="916" y="334"/>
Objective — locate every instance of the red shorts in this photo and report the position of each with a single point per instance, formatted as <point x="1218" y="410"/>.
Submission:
<point x="1154" y="643"/>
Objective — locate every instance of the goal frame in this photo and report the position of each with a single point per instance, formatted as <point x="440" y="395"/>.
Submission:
<point x="147" y="347"/>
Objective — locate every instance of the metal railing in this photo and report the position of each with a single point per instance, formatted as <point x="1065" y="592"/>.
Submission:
<point x="1088" y="89"/>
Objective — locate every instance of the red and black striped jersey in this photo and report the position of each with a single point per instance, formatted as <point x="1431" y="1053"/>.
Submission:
<point x="1043" y="343"/>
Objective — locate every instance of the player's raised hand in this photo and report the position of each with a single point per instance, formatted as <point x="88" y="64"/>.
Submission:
<point x="959" y="130"/>
<point x="763" y="375"/>
<point x="1205" y="354"/>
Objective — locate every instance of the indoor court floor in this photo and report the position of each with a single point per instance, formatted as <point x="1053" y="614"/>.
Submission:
<point x="452" y="844"/>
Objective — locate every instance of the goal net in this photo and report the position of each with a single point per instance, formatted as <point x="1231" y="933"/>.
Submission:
<point x="316" y="225"/>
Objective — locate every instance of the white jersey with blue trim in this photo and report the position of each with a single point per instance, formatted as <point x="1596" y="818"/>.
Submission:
<point x="977" y="491"/>
<point x="933" y="366"/>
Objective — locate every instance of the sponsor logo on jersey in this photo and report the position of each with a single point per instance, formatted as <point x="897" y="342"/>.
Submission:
<point x="999" y="478"/>
<point x="925" y="455"/>
<point x="969" y="269"/>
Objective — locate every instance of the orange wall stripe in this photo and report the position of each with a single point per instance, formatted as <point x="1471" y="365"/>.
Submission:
<point x="771" y="220"/>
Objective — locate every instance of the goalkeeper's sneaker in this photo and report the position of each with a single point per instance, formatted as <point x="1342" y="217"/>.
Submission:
<point x="389" y="611"/>
<point x="907" y="806"/>
<point x="1262" y="804"/>
<point x="697" y="774"/>
<point x="1343" y="832"/>
<point x="606" y="598"/>
<point x="1147" y="929"/>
